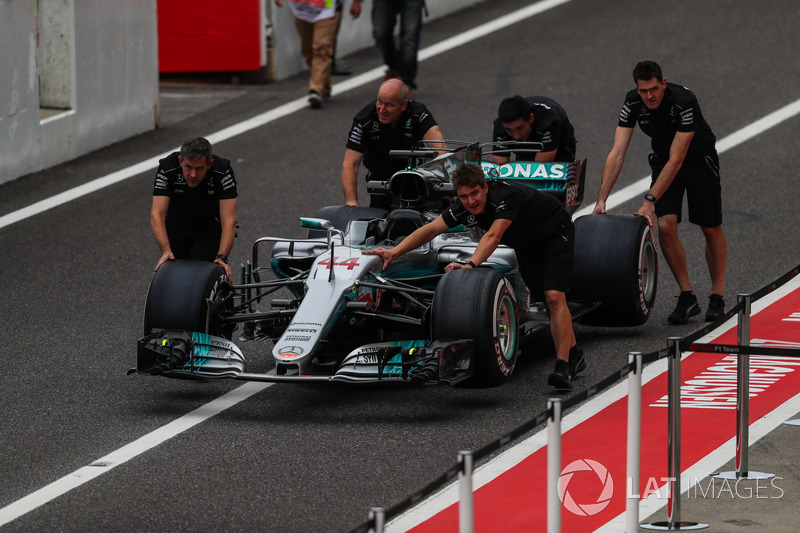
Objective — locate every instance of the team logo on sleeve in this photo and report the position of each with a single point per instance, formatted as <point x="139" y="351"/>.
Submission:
<point x="161" y="181"/>
<point x="227" y="181"/>
<point x="356" y="134"/>
<point x="625" y="113"/>
<point x="687" y="116"/>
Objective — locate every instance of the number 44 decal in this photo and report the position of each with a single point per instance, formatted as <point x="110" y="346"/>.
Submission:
<point x="349" y="263"/>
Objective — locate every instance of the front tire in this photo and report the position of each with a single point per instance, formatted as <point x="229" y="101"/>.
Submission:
<point x="179" y="294"/>
<point x="616" y="262"/>
<point x="479" y="304"/>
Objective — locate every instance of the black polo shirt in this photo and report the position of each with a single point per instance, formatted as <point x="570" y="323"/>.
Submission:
<point x="190" y="207"/>
<point x="534" y="214"/>
<point x="551" y="127"/>
<point x="373" y="139"/>
<point x="679" y="111"/>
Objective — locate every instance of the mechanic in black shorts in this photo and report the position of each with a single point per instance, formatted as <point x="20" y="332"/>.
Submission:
<point x="194" y="205"/>
<point x="540" y="231"/>
<point x="534" y="119"/>
<point x="392" y="122"/>
<point x="684" y="159"/>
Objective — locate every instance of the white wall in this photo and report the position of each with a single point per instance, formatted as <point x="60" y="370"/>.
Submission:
<point x="99" y="65"/>
<point x="20" y="148"/>
<point x="98" y="61"/>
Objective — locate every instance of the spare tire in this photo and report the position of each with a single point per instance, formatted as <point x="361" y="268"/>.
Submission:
<point x="616" y="263"/>
<point x="179" y="294"/>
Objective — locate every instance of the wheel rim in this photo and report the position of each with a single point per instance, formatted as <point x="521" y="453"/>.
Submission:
<point x="648" y="268"/>
<point x="506" y="327"/>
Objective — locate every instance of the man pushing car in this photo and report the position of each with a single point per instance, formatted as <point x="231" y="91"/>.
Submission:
<point x="193" y="215"/>
<point x="539" y="230"/>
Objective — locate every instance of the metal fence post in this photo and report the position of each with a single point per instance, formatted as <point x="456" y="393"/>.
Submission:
<point x="378" y="517"/>
<point x="674" y="446"/>
<point x="466" y="515"/>
<point x="634" y="441"/>
<point x="553" y="465"/>
<point x="743" y="400"/>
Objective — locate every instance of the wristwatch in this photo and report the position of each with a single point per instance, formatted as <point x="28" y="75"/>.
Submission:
<point x="223" y="257"/>
<point x="650" y="197"/>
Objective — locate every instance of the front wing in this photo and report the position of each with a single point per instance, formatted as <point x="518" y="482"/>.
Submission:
<point x="196" y="355"/>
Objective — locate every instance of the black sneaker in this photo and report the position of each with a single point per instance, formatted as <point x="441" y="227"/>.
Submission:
<point x="339" y="69"/>
<point x="561" y="376"/>
<point x="577" y="363"/>
<point x="314" y="99"/>
<point x="687" y="307"/>
<point x="716" y="308"/>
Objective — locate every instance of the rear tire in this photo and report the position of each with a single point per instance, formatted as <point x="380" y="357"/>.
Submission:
<point x="616" y="262"/>
<point x="178" y="294"/>
<point x="479" y="304"/>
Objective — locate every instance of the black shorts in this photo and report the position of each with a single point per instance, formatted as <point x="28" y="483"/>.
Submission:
<point x="547" y="265"/>
<point x="700" y="180"/>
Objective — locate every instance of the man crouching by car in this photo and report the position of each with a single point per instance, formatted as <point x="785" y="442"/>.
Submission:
<point x="194" y="205"/>
<point x="539" y="230"/>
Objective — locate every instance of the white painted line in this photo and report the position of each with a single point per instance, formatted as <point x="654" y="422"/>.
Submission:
<point x="59" y="116"/>
<point x="82" y="190"/>
<point x="511" y="457"/>
<point x="127" y="452"/>
<point x="489" y="28"/>
<point x="710" y="463"/>
<point x="272" y="115"/>
<point x="149" y="441"/>
<point x="81" y="476"/>
<point x="734" y="139"/>
<point x="262" y="119"/>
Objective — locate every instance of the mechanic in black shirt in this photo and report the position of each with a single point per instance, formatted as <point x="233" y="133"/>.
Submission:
<point x="684" y="158"/>
<point x="538" y="228"/>
<point x="534" y="119"/>
<point x="194" y="205"/>
<point x="392" y="122"/>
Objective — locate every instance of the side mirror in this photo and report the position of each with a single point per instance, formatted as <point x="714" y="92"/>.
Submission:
<point x="315" y="223"/>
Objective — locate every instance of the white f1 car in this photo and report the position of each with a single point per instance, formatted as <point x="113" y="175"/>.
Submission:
<point x="331" y="313"/>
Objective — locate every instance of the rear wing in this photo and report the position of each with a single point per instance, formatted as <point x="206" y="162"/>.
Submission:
<point x="565" y="181"/>
<point x="427" y="178"/>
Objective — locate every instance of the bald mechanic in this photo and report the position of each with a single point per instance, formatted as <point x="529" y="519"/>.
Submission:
<point x="391" y="122"/>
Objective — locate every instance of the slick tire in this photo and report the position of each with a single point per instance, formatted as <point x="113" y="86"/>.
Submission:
<point x="179" y="294"/>
<point x="616" y="263"/>
<point x="479" y="304"/>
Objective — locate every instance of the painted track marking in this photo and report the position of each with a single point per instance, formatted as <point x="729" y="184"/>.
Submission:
<point x="147" y="442"/>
